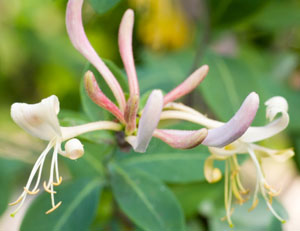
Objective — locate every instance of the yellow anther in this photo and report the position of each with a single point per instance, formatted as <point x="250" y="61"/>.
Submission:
<point x="253" y="205"/>
<point x="31" y="192"/>
<point x="16" y="202"/>
<point x="47" y="189"/>
<point x="58" y="183"/>
<point x="55" y="207"/>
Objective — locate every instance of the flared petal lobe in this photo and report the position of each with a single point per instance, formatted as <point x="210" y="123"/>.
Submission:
<point x="148" y="122"/>
<point x="38" y="119"/>
<point x="236" y="126"/>
<point x="275" y="105"/>
<point x="181" y="139"/>
<point x="81" y="43"/>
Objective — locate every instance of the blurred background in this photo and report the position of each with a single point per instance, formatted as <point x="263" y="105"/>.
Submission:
<point x="250" y="45"/>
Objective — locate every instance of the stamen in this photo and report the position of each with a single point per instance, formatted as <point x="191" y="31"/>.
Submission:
<point x="58" y="183"/>
<point x="254" y="204"/>
<point x="17" y="201"/>
<point x="47" y="189"/>
<point x="33" y="192"/>
<point x="55" y="207"/>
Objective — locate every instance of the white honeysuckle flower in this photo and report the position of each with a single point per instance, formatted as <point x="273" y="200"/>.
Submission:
<point x="40" y="120"/>
<point x="276" y="106"/>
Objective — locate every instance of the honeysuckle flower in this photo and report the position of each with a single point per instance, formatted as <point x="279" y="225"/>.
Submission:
<point x="140" y="135"/>
<point x="40" y="120"/>
<point x="138" y="124"/>
<point x="276" y="106"/>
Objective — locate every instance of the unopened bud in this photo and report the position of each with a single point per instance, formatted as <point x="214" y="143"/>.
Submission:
<point x="74" y="149"/>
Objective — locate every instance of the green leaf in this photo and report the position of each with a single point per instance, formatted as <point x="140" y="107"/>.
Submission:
<point x="174" y="166"/>
<point x="146" y="200"/>
<point x="278" y="15"/>
<point x="91" y="163"/>
<point x="258" y="219"/>
<point x="79" y="203"/>
<point x="92" y="110"/>
<point x="226" y="12"/>
<point x="191" y="195"/>
<point x="9" y="169"/>
<point x="102" y="6"/>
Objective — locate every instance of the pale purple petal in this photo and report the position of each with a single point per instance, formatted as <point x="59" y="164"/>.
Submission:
<point x="181" y="139"/>
<point x="236" y="126"/>
<point x="81" y="43"/>
<point x="125" y="45"/>
<point x="187" y="85"/>
<point x="149" y="120"/>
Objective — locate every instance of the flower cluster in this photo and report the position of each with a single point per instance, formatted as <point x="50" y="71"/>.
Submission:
<point x="139" y="125"/>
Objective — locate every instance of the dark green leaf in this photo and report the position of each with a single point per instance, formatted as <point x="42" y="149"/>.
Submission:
<point x="79" y="202"/>
<point x="146" y="200"/>
<point x="102" y="6"/>
<point x="91" y="163"/>
<point x="9" y="169"/>
<point x="226" y="12"/>
<point x="259" y="219"/>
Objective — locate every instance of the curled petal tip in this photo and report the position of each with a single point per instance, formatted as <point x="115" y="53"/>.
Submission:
<point x="236" y="126"/>
<point x="181" y="139"/>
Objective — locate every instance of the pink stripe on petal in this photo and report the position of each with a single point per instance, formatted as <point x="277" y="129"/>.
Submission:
<point x="81" y="43"/>
<point x="149" y="120"/>
<point x="181" y="139"/>
<point x="187" y="85"/>
<point x="236" y="126"/>
<point x="99" y="98"/>
<point x="125" y="45"/>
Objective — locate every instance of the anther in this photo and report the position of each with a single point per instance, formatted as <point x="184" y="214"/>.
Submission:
<point x="16" y="202"/>
<point x="253" y="205"/>
<point x="31" y="192"/>
<point x="55" y="207"/>
<point x="58" y="183"/>
<point x="47" y="189"/>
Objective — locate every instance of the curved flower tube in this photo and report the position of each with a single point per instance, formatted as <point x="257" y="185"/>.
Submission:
<point x="81" y="43"/>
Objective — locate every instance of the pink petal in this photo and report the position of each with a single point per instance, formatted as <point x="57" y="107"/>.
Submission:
<point x="125" y="45"/>
<point x="149" y="120"/>
<point x="188" y="85"/>
<point x="99" y="98"/>
<point x="181" y="139"/>
<point x="236" y="126"/>
<point x="81" y="43"/>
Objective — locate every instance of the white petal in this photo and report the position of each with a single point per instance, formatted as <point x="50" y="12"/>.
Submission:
<point x="276" y="105"/>
<point x="148" y="122"/>
<point x="38" y="119"/>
